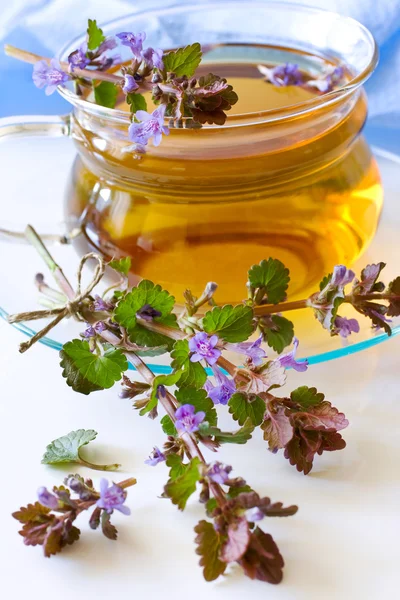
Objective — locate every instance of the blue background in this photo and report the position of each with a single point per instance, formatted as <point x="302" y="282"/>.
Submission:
<point x="44" y="26"/>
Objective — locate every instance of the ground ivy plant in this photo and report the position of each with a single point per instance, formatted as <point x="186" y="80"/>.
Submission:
<point x="167" y="78"/>
<point x="125" y="325"/>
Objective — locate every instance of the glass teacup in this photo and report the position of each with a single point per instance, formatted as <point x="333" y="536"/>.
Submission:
<point x="294" y="180"/>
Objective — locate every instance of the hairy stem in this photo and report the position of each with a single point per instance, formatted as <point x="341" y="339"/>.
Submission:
<point x="32" y="58"/>
<point x="270" y="309"/>
<point x="61" y="280"/>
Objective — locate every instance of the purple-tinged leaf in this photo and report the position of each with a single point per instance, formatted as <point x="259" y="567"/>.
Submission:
<point x="238" y="540"/>
<point x="262" y="559"/>
<point x="277" y="428"/>
<point x="324" y="416"/>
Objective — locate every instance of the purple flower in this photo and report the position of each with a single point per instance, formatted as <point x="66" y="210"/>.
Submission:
<point x="223" y="391"/>
<point x="109" y="44"/>
<point x="289" y="359"/>
<point x="251" y="349"/>
<point x="102" y="305"/>
<point x="329" y="81"/>
<point x="341" y="276"/>
<point x="78" y="59"/>
<point x="130" y="84"/>
<point x="187" y="419"/>
<point x="92" y="331"/>
<point x="203" y="346"/>
<point x="48" y="76"/>
<point x="151" y="126"/>
<point x="254" y="514"/>
<point x="218" y="472"/>
<point x="155" y="457"/>
<point x="153" y="58"/>
<point x="283" y="75"/>
<point x="344" y="327"/>
<point x="46" y="498"/>
<point x="133" y="41"/>
<point x="148" y="313"/>
<point x="112" y="498"/>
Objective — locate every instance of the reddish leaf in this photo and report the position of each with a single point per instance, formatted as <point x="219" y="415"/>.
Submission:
<point x="249" y="500"/>
<point x="324" y="416"/>
<point x="262" y="559"/>
<point x="237" y="542"/>
<point x="277" y="428"/>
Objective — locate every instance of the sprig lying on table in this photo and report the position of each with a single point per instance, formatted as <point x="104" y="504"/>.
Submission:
<point x="126" y="325"/>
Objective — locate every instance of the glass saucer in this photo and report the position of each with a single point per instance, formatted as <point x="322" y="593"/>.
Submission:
<point x="37" y="198"/>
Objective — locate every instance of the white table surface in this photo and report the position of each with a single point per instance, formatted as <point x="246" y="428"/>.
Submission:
<point x="342" y="544"/>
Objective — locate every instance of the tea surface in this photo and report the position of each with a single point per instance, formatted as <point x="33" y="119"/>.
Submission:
<point x="320" y="213"/>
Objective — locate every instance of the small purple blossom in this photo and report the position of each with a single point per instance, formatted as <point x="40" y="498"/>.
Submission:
<point x="341" y="276"/>
<point x="289" y="359"/>
<point x="153" y="58"/>
<point x="329" y="81"/>
<point x="187" y="420"/>
<point x="150" y="126"/>
<point x="223" y="391"/>
<point x="203" y="347"/>
<point x="251" y="349"/>
<point x="48" y="76"/>
<point x="100" y="304"/>
<point x="112" y="498"/>
<point x="218" y="473"/>
<point x="92" y="331"/>
<point x="254" y="514"/>
<point x="46" y="498"/>
<point x="109" y="44"/>
<point x="78" y="59"/>
<point x="344" y="327"/>
<point x="155" y="457"/>
<point x="130" y="84"/>
<point x="133" y="41"/>
<point x="148" y="313"/>
<point x="283" y="75"/>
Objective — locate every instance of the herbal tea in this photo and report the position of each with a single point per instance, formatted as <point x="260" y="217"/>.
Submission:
<point x="211" y="201"/>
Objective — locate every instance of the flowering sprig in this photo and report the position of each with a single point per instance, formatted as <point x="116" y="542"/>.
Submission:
<point x="301" y="423"/>
<point x="49" y="521"/>
<point x="169" y="77"/>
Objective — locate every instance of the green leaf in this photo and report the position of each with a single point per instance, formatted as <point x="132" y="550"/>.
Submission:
<point x="95" y="35"/>
<point x="105" y="94"/>
<point x="272" y="276"/>
<point x="146" y="293"/>
<point x="194" y="374"/>
<point x="87" y="372"/>
<point x="277" y="331"/>
<point x="181" y="488"/>
<point x="66" y="449"/>
<point x="231" y="323"/>
<point x="242" y="409"/>
<point x="183" y="61"/>
<point x="236" y="437"/>
<point x="306" y="396"/>
<point x="108" y="529"/>
<point x="33" y="512"/>
<point x="177" y="468"/>
<point x="208" y="547"/>
<point x="123" y="265"/>
<point x="167" y="426"/>
<point x="136" y="102"/>
<point x="199" y="399"/>
<point x="166" y="380"/>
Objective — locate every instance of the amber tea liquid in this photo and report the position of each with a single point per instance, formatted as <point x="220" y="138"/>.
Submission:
<point x="207" y="213"/>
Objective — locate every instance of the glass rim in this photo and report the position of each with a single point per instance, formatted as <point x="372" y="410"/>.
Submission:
<point x="269" y="115"/>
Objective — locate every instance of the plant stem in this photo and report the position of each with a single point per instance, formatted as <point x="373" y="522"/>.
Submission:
<point x="127" y="483"/>
<point x="57" y="272"/>
<point x="169" y="403"/>
<point x="87" y="463"/>
<point x="353" y="299"/>
<point x="32" y="58"/>
<point x="270" y="309"/>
